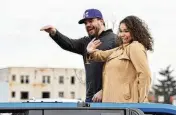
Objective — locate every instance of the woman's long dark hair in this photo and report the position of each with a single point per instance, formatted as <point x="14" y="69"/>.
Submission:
<point x="139" y="31"/>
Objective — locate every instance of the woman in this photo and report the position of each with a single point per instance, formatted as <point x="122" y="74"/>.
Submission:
<point x="126" y="75"/>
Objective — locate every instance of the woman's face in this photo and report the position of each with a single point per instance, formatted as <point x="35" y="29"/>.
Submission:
<point x="124" y="33"/>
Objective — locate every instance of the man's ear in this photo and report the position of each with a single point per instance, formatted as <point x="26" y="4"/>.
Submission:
<point x="102" y="21"/>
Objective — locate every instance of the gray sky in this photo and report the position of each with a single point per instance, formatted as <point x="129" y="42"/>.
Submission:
<point x="22" y="44"/>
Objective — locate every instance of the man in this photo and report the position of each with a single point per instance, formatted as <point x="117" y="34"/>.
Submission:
<point x="95" y="28"/>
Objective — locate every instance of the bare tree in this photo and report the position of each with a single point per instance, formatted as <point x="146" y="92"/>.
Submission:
<point x="79" y="76"/>
<point x="111" y="23"/>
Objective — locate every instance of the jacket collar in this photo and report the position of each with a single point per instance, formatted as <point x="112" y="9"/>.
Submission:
<point x="124" y="45"/>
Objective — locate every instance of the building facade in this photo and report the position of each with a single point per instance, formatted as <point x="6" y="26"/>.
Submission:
<point x="23" y="83"/>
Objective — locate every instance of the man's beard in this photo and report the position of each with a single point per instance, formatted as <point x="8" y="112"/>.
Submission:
<point x="95" y="35"/>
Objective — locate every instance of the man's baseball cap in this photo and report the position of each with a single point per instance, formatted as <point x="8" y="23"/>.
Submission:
<point x="91" y="13"/>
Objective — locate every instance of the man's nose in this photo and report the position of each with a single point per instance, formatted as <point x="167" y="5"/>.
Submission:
<point x="87" y="24"/>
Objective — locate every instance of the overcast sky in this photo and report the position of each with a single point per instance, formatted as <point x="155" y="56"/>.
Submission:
<point x="22" y="44"/>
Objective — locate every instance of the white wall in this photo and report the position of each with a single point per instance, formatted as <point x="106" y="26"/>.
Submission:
<point x="4" y="87"/>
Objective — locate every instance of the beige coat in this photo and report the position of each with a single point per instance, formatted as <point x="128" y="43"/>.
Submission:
<point x="126" y="75"/>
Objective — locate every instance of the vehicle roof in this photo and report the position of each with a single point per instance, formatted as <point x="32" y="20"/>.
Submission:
<point x="145" y="107"/>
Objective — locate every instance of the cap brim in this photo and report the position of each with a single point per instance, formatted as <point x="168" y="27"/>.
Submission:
<point x="81" y="21"/>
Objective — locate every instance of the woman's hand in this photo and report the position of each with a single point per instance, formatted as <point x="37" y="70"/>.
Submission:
<point x="93" y="44"/>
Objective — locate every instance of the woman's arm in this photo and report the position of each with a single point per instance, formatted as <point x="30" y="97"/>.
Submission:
<point x="138" y="57"/>
<point x="95" y="54"/>
<point x="100" y="55"/>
